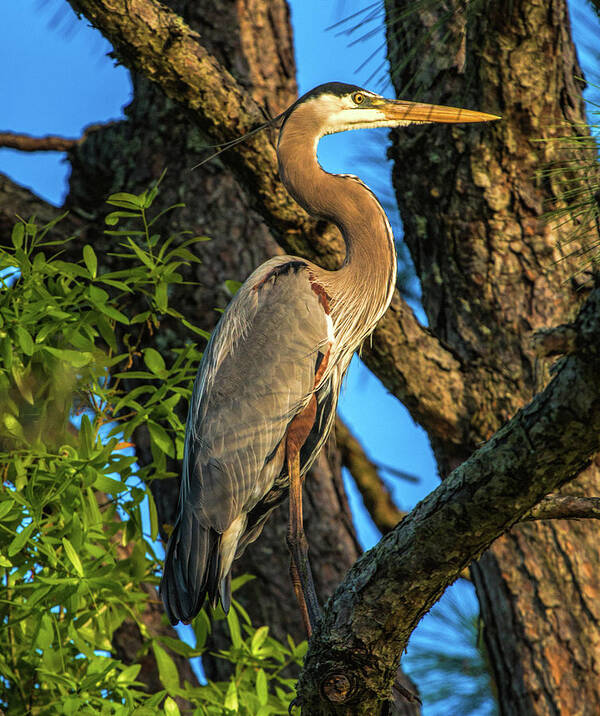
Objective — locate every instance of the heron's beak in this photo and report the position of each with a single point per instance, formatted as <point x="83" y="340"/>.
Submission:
<point x="402" y="111"/>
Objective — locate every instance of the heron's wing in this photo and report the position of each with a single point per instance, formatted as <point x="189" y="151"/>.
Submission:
<point x="257" y="373"/>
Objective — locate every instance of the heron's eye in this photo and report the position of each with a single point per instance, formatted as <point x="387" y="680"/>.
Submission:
<point x="358" y="98"/>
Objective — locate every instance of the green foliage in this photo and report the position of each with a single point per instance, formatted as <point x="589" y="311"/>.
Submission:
<point x="257" y="687"/>
<point x="78" y="523"/>
<point x="575" y="181"/>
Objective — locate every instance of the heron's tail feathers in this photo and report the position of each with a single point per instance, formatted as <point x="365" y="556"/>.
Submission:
<point x="191" y="571"/>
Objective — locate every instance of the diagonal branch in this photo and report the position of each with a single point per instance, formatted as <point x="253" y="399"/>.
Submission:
<point x="370" y="617"/>
<point x="155" y="41"/>
<point x="16" y="200"/>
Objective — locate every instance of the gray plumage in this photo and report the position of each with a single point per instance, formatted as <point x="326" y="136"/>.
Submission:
<point x="257" y="373"/>
<point x="288" y="335"/>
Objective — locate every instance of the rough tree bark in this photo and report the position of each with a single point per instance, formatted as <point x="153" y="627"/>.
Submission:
<point x="492" y="272"/>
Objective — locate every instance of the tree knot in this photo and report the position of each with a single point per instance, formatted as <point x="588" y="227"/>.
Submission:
<point x="337" y="688"/>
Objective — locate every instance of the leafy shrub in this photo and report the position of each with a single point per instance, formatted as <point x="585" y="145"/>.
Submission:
<point x="78" y="524"/>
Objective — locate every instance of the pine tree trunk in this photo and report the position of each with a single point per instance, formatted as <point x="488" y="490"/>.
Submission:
<point x="493" y="272"/>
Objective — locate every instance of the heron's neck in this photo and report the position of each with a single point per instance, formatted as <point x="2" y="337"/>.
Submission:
<point x="362" y="288"/>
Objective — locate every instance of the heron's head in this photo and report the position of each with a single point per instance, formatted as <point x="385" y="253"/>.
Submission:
<point x="337" y="107"/>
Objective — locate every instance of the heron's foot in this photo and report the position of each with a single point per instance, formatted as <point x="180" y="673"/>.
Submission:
<point x="294" y="704"/>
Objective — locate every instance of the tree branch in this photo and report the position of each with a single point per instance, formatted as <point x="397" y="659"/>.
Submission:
<point x="555" y="341"/>
<point x="15" y="199"/>
<point x="565" y="507"/>
<point x="154" y="40"/>
<point x="27" y="143"/>
<point x="370" y="617"/>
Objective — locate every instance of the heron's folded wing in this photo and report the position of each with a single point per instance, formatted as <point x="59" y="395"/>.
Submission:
<point x="257" y="373"/>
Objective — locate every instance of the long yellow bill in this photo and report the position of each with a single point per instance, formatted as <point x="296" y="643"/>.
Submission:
<point x="420" y="112"/>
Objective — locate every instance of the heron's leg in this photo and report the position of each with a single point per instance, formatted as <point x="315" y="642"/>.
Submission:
<point x="300" y="570"/>
<point x="297" y="585"/>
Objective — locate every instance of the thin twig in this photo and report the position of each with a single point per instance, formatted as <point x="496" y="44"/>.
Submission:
<point x="27" y="143"/>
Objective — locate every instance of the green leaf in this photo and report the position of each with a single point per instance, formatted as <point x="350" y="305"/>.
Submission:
<point x="39" y="261"/>
<point x="160" y="296"/>
<point x="171" y="708"/>
<point x="23" y="385"/>
<point x="140" y="317"/>
<point x="13" y="426"/>
<point x="152" y="702"/>
<point x="231" y="697"/>
<point x="17" y="235"/>
<point x="262" y="690"/>
<point x="91" y="262"/>
<point x="199" y="331"/>
<point x="238" y="582"/>
<point x="122" y="197"/>
<point x="64" y="268"/>
<point x="86" y="434"/>
<point x="112" y="312"/>
<point x="31" y="228"/>
<point x="124" y="232"/>
<point x="234" y="628"/>
<point x="76" y="358"/>
<point x="25" y="340"/>
<point x="19" y="541"/>
<point x="142" y="255"/>
<point x="112" y="219"/>
<point x="106" y="331"/>
<point x="116" y="284"/>
<point x="98" y="295"/>
<point x="233" y="286"/>
<point x="154" y="361"/>
<point x="167" y="670"/>
<point x="45" y="633"/>
<point x="95" y="513"/>
<point x="107" y="484"/>
<point x="153" y="515"/>
<point x="258" y="638"/>
<point x="300" y="650"/>
<point x="129" y="673"/>
<point x="201" y="626"/>
<point x="73" y="556"/>
<point x="6" y="507"/>
<point x="160" y="438"/>
<point x="4" y="561"/>
<point x="6" y="352"/>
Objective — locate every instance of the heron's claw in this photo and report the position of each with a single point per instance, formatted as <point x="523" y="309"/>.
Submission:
<point x="294" y="703"/>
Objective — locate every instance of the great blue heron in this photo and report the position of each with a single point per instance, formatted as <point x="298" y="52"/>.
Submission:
<point x="265" y="396"/>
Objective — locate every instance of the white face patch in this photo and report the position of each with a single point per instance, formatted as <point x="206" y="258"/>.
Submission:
<point x="339" y="114"/>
